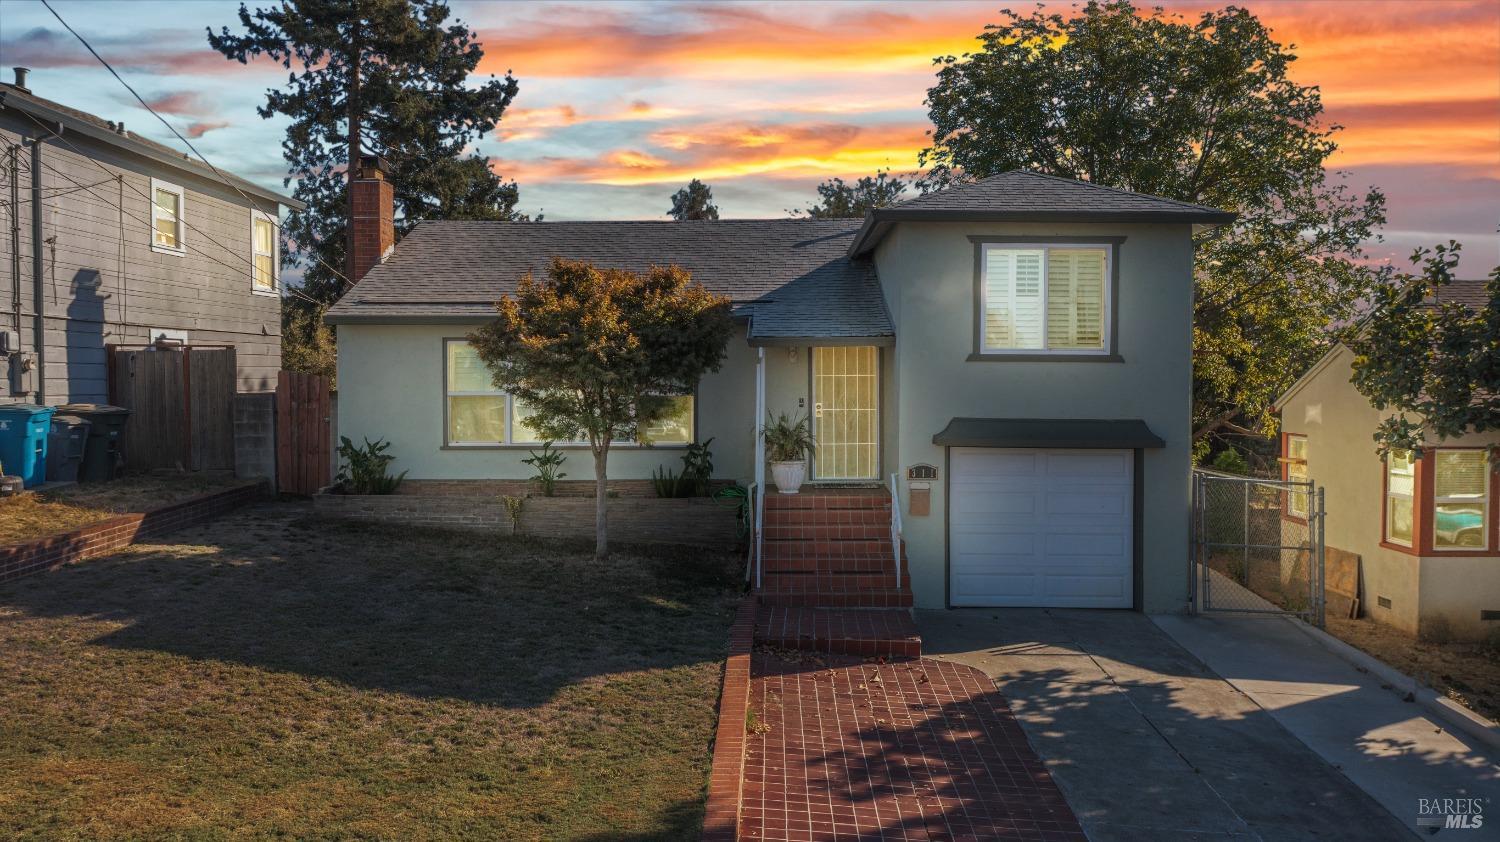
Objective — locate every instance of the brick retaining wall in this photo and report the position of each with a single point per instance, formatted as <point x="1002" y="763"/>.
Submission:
<point x="726" y="777"/>
<point x="106" y="536"/>
<point x="521" y="488"/>
<point x="699" y="521"/>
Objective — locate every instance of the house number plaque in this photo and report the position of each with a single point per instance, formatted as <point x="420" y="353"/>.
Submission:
<point x="919" y="479"/>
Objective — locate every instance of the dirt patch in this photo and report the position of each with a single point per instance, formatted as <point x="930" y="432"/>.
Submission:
<point x="267" y="675"/>
<point x="1468" y="673"/>
<point x="36" y="515"/>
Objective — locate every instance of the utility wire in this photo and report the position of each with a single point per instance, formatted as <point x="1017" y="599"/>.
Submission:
<point x="149" y="223"/>
<point x="173" y="130"/>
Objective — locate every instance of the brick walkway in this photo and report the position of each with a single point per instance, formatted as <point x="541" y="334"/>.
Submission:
<point x="914" y="750"/>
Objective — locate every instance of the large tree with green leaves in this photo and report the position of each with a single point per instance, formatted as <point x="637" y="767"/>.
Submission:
<point x="840" y="200"/>
<point x="1202" y="111"/>
<point x="695" y="201"/>
<point x="1434" y="363"/>
<point x="382" y="77"/>
<point x="598" y="354"/>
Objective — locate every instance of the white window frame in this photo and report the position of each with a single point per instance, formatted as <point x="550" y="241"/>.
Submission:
<point x="166" y="186"/>
<point x="1387" y="494"/>
<point x="511" y="442"/>
<point x="1484" y="503"/>
<point x="1294" y="464"/>
<point x="1106" y="315"/>
<point x="257" y="215"/>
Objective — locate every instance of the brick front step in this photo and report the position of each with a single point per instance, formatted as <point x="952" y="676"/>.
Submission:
<point x="843" y="632"/>
<point x="819" y="580"/>
<point x="824" y="502"/>
<point x="850" y="564"/>
<point x="826" y="549"/>
<point x="865" y="598"/>
<point x="818" y="529"/>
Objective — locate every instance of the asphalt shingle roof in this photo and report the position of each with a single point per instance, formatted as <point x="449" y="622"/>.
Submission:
<point x="1035" y="193"/>
<point x="792" y="277"/>
<point x="1471" y="293"/>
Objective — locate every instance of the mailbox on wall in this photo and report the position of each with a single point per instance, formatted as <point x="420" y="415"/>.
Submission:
<point x="919" y="479"/>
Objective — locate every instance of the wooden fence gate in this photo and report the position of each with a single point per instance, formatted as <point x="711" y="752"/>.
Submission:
<point x="181" y="403"/>
<point x="304" y="436"/>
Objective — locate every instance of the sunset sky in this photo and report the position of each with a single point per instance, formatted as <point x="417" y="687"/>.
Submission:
<point x="622" y="103"/>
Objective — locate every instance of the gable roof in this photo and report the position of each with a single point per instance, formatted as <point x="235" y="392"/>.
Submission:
<point x="55" y="115"/>
<point x="1025" y="196"/>
<point x="792" y="278"/>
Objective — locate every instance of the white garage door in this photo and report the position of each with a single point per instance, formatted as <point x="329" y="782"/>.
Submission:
<point x="1040" y="527"/>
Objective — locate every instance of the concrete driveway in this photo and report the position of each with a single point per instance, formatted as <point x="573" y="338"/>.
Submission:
<point x="1147" y="743"/>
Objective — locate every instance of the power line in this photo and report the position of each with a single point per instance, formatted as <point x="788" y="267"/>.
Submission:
<point x="173" y="130"/>
<point x="149" y="223"/>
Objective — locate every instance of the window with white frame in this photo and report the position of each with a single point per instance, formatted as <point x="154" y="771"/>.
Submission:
<point x="1044" y="298"/>
<point x="167" y="209"/>
<point x="1296" y="471"/>
<point x="264" y="266"/>
<point x="1460" y="499"/>
<point x="480" y="414"/>
<point x="1400" y="485"/>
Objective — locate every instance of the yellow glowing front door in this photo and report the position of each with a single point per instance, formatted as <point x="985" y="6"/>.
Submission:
<point x="846" y="412"/>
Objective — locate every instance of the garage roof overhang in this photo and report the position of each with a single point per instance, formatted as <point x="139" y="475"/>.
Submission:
<point x="1119" y="434"/>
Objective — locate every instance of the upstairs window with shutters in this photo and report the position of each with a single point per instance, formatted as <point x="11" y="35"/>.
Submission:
<point x="1045" y="298"/>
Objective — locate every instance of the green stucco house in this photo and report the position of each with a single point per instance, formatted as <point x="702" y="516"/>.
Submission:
<point x="1012" y="357"/>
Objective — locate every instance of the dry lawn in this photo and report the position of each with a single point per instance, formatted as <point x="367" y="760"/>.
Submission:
<point x="1468" y="673"/>
<point x="273" y="676"/>
<point x="35" y="515"/>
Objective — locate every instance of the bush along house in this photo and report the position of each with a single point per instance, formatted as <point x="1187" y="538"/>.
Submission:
<point x="1009" y="361"/>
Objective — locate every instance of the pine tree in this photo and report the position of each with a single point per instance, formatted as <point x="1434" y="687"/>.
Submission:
<point x="695" y="201"/>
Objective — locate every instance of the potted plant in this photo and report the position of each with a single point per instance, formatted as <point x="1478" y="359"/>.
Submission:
<point x="787" y="444"/>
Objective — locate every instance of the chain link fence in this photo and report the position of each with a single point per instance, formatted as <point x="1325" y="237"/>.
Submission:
<point x="1257" y="546"/>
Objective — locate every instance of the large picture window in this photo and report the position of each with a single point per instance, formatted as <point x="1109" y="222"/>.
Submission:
<point x="478" y="414"/>
<point x="1460" y="500"/>
<point x="1039" y="299"/>
<point x="1400" y="485"/>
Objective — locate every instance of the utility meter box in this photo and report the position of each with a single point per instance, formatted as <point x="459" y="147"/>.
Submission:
<point x="18" y="373"/>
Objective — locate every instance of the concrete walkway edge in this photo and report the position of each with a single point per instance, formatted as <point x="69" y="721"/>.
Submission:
<point x="1455" y="715"/>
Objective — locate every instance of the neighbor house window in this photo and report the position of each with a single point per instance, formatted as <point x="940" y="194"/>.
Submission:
<point x="480" y="414"/>
<point x="476" y="409"/>
<point x="1044" y="298"/>
<point x="1296" y="471"/>
<point x="1460" y="499"/>
<point x="263" y="251"/>
<point x="166" y="217"/>
<point x="1400" y="484"/>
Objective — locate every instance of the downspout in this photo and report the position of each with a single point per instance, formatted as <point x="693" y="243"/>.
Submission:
<point x="38" y="287"/>
<point x="15" y="238"/>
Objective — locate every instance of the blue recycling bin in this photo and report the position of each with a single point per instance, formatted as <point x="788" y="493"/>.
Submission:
<point x="23" y="441"/>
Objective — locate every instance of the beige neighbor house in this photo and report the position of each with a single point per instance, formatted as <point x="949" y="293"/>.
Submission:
<point x="1425" y="529"/>
<point x="1017" y="351"/>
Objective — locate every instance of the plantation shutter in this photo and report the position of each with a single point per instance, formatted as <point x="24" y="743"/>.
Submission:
<point x="1075" y="299"/>
<point x="1013" y="316"/>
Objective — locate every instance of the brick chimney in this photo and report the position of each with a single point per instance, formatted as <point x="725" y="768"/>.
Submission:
<point x="374" y="223"/>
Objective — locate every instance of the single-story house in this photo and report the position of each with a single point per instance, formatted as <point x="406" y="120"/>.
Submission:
<point x="1019" y="347"/>
<point x="1425" y="529"/>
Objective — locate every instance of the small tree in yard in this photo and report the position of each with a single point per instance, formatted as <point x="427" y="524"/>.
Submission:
<point x="1439" y="362"/>
<point x="599" y="353"/>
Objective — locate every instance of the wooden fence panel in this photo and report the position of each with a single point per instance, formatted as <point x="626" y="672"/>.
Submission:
<point x="304" y="447"/>
<point x="181" y="403"/>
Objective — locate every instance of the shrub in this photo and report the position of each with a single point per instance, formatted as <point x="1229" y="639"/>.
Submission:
<point x="547" y="464"/>
<point x="362" y="470"/>
<point x="697" y="468"/>
<point x="668" y="484"/>
<point x="1231" y="461"/>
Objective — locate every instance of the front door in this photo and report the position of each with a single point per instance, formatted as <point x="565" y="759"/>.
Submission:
<point x="846" y="413"/>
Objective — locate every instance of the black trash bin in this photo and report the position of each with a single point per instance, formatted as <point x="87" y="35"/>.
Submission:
<point x="65" y="447"/>
<point x="104" y="454"/>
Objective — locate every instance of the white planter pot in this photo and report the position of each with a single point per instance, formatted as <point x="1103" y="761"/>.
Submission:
<point x="788" y="476"/>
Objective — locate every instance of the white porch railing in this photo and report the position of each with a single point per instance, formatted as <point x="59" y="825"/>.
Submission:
<point x="760" y="464"/>
<point x="896" y="525"/>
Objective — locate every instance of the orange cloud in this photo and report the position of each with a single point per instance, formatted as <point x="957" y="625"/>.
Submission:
<point x="730" y="150"/>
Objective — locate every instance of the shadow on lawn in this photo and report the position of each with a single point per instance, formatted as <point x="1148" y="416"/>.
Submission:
<point x="483" y="618"/>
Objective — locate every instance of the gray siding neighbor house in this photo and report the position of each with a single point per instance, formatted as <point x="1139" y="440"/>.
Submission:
<point x="1008" y="361"/>
<point x="114" y="239"/>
